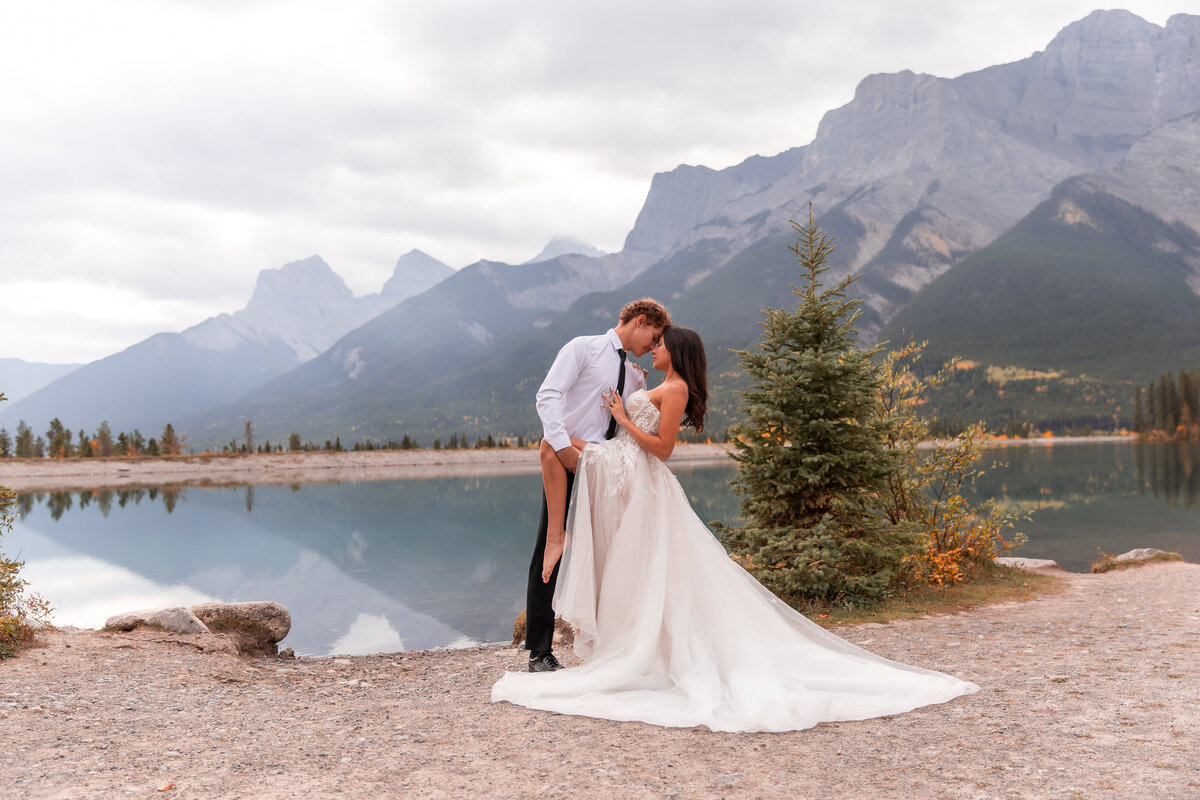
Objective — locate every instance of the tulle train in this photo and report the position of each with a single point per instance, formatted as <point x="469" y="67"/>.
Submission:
<point x="674" y="633"/>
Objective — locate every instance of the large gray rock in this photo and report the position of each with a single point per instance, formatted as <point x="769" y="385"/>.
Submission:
<point x="1027" y="563"/>
<point x="176" y="619"/>
<point x="257" y="627"/>
<point x="1138" y="554"/>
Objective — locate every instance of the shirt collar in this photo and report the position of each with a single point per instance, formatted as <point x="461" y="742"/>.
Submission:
<point x="614" y="340"/>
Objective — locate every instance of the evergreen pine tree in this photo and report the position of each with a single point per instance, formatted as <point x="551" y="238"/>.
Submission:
<point x="1152" y="415"/>
<point x="811" y="451"/>
<point x="58" y="439"/>
<point x="1139" y="414"/>
<point x="104" y="439"/>
<point x="24" y="443"/>
<point x="5" y="443"/>
<point x="171" y="443"/>
<point x="1187" y="398"/>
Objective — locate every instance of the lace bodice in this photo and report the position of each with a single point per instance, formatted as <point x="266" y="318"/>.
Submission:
<point x="642" y="413"/>
<point x="618" y="456"/>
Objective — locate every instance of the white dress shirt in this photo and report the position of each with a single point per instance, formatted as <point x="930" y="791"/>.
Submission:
<point x="569" y="399"/>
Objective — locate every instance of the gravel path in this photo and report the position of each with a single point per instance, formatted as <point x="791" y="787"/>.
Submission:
<point x="1090" y="693"/>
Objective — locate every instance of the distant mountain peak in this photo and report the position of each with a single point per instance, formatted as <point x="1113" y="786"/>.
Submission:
<point x="415" y="272"/>
<point x="307" y="281"/>
<point x="566" y="246"/>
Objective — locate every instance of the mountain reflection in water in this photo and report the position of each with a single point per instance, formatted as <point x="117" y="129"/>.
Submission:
<point x="386" y="566"/>
<point x="362" y="567"/>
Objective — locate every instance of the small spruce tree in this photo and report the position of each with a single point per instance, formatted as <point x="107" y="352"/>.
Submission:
<point x="811" y="450"/>
<point x="104" y="439"/>
<point x="23" y="445"/>
<point x="171" y="443"/>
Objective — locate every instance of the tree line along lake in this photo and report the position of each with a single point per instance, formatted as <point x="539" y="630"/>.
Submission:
<point x="435" y="562"/>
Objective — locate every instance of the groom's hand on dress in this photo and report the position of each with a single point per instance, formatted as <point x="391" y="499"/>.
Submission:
<point x="568" y="457"/>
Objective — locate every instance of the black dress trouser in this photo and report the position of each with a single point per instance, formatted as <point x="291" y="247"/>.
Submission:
<point x="539" y="613"/>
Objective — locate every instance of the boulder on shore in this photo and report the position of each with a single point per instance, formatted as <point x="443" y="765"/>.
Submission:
<point x="176" y="619"/>
<point x="1027" y="563"/>
<point x="255" y="628"/>
<point x="1138" y="554"/>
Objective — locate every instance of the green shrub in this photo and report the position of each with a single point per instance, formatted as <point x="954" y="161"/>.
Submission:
<point x="21" y="612"/>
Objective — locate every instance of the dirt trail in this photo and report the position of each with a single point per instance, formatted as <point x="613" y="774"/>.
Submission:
<point x="1091" y="693"/>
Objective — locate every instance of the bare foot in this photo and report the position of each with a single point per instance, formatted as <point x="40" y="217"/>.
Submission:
<point x="555" y="543"/>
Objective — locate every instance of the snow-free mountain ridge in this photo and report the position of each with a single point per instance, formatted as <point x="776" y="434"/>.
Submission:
<point x="296" y="312"/>
<point x="911" y="178"/>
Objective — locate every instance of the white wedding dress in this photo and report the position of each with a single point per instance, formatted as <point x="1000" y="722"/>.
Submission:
<point x="674" y="633"/>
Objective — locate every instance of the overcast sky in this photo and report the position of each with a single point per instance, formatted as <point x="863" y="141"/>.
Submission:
<point x="156" y="154"/>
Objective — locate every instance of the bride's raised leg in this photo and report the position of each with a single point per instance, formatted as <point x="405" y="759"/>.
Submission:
<point x="554" y="483"/>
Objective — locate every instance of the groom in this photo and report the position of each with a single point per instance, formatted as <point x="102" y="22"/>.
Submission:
<point x="569" y="405"/>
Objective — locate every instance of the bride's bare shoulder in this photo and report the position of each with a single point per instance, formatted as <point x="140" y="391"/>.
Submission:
<point x="673" y="389"/>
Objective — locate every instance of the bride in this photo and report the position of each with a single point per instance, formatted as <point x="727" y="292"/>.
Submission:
<point x="671" y="631"/>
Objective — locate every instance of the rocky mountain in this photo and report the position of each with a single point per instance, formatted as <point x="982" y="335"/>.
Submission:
<point x="1161" y="172"/>
<point x="1086" y="284"/>
<point x="566" y="246"/>
<point x="911" y="177"/>
<point x="19" y="378"/>
<point x="296" y="312"/>
<point x="925" y="170"/>
<point x="414" y="273"/>
<point x="354" y="388"/>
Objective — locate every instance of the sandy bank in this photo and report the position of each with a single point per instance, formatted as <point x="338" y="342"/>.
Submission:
<point x="282" y="468"/>
<point x="1093" y="692"/>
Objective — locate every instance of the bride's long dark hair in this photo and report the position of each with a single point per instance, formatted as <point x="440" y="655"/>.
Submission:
<point x="688" y="359"/>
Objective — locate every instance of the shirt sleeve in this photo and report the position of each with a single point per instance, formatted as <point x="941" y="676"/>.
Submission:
<point x="562" y="375"/>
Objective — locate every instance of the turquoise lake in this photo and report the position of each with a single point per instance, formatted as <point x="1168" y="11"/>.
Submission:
<point x="385" y="566"/>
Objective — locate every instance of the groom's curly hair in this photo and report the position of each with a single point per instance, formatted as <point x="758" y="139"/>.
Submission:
<point x="656" y="315"/>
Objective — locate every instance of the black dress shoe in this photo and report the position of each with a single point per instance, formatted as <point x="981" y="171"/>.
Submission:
<point x="544" y="663"/>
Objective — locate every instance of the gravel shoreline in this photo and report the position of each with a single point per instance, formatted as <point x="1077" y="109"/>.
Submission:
<point x="65" y="474"/>
<point x="1091" y="692"/>
<point x="62" y="474"/>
